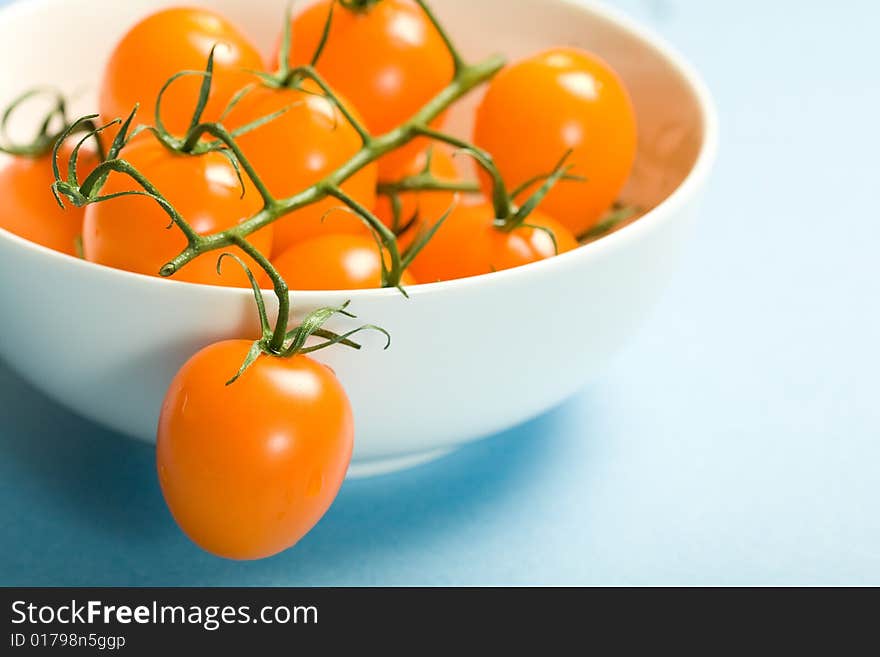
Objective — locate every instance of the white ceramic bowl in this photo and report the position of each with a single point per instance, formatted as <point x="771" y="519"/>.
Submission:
<point x="470" y="357"/>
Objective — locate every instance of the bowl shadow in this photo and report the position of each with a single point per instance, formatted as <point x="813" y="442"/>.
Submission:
<point x="93" y="475"/>
<point x="105" y="484"/>
<point x="376" y="521"/>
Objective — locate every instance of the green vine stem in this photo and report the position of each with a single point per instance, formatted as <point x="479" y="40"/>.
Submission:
<point x="276" y="342"/>
<point x="373" y="149"/>
<point x="226" y="138"/>
<point x="457" y="60"/>
<point x="427" y="183"/>
<point x="618" y="215"/>
<point x="294" y="341"/>
<point x="309" y="73"/>
<point x="501" y="200"/>
<point x="386" y="237"/>
<point x="423" y="181"/>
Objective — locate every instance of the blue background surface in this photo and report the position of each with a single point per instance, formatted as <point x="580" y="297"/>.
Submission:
<point x="736" y="441"/>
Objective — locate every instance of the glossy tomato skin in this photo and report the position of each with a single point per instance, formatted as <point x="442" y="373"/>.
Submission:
<point x="468" y="244"/>
<point x="249" y="468"/>
<point x="537" y="109"/>
<point x="334" y="262"/>
<point x="165" y="43"/>
<point x="132" y="233"/>
<point x="426" y="206"/>
<point x="388" y="60"/>
<point x="28" y="207"/>
<point x="298" y="149"/>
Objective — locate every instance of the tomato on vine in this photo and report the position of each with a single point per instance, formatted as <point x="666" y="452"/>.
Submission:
<point x="248" y="469"/>
<point x="470" y="243"/>
<point x="334" y="262"/>
<point x="255" y="438"/>
<point x="28" y="209"/>
<point x="166" y="43"/>
<point x="132" y="232"/>
<point x="559" y="100"/>
<point x="298" y="148"/>
<point x="386" y="57"/>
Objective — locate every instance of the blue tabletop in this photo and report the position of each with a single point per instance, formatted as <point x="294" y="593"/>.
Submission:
<point x="736" y="441"/>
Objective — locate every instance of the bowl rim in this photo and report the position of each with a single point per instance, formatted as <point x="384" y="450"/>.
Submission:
<point x="663" y="211"/>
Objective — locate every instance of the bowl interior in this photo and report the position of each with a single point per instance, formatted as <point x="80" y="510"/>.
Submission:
<point x="670" y="120"/>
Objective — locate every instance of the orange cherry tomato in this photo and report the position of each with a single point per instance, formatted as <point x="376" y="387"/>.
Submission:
<point x="165" y="43"/>
<point x="131" y="232"/>
<point x="298" y="149"/>
<point x="387" y="59"/>
<point x="468" y="244"/>
<point x="334" y="262"/>
<point x="247" y="469"/>
<point x="28" y="207"/>
<point x="426" y="206"/>
<point x="536" y="110"/>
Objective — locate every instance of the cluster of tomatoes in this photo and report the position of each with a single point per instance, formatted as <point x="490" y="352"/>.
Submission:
<point x="533" y="112"/>
<point x="248" y="469"/>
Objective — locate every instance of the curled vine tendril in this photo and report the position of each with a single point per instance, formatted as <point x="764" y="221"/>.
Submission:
<point x="54" y="125"/>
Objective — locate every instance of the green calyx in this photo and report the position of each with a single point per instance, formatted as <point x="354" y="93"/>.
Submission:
<point x="54" y="126"/>
<point x="296" y="340"/>
<point x="614" y="219"/>
<point x="88" y="191"/>
<point x="285" y="76"/>
<point x="356" y="5"/>
<point x="518" y="217"/>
